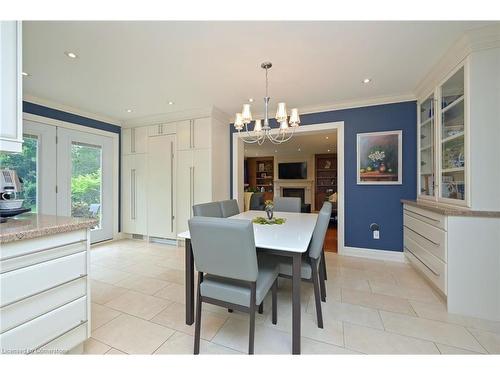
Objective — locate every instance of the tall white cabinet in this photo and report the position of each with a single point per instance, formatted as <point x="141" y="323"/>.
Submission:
<point x="11" y="89"/>
<point x="169" y="167"/>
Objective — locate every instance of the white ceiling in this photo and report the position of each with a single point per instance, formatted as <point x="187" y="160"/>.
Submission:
<point x="143" y="65"/>
<point x="317" y="143"/>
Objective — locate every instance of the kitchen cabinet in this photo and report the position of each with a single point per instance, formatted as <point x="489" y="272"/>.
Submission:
<point x="134" y="140"/>
<point x="11" y="97"/>
<point x="134" y="194"/>
<point x="162" y="129"/>
<point x="194" y="134"/>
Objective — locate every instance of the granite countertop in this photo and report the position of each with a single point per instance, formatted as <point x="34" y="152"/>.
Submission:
<point x="450" y="211"/>
<point x="31" y="225"/>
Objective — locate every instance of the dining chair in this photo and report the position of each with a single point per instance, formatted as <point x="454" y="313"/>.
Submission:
<point x="312" y="270"/>
<point x="229" y="274"/>
<point x="211" y="209"/>
<point x="287" y="204"/>
<point x="229" y="207"/>
<point x="257" y="202"/>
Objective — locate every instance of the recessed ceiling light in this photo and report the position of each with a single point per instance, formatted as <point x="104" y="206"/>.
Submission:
<point x="170" y="102"/>
<point x="367" y="80"/>
<point x="129" y="111"/>
<point x="298" y="149"/>
<point x="326" y="137"/>
<point x="328" y="150"/>
<point x="250" y="100"/>
<point x="275" y="150"/>
<point x="71" y="55"/>
<point x="25" y="74"/>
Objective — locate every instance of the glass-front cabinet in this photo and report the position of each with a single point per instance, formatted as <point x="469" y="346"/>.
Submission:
<point x="442" y="142"/>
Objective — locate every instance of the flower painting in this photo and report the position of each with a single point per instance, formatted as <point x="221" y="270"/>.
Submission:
<point x="380" y="158"/>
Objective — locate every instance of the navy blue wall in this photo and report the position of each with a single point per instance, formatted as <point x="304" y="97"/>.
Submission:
<point x="366" y="204"/>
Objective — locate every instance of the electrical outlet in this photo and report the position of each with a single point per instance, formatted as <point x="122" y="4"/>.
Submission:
<point x="376" y="235"/>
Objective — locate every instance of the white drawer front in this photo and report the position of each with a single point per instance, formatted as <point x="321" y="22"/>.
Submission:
<point x="17" y="248"/>
<point x="66" y="342"/>
<point x="30" y="308"/>
<point x="27" y="281"/>
<point x="42" y="330"/>
<point x="432" y="267"/>
<point x="437" y="249"/>
<point x="38" y="256"/>
<point x="433" y="234"/>
<point x="429" y="217"/>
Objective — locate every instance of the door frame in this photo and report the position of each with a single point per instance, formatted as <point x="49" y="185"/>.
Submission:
<point x="115" y="150"/>
<point x="238" y="166"/>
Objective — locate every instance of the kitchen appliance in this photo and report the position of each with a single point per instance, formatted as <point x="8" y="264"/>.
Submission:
<point x="10" y="186"/>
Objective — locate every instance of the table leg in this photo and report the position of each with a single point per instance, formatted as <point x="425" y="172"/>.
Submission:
<point x="189" y="283"/>
<point x="296" y="276"/>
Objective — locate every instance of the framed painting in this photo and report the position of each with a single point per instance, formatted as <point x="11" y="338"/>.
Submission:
<point x="380" y="158"/>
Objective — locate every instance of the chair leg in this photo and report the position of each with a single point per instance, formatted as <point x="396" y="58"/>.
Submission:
<point x="197" y="327"/>
<point x="315" y="280"/>
<point x="322" y="285"/>
<point x="274" y="291"/>
<point x="323" y="263"/>
<point x="251" y="333"/>
<point x="229" y="310"/>
<point x="261" y="308"/>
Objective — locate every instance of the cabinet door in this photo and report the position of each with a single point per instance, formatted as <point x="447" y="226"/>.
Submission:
<point x="202" y="177"/>
<point x="134" y="140"/>
<point x="11" y="133"/>
<point x="426" y="147"/>
<point x="134" y="204"/>
<point x="184" y="136"/>
<point x="160" y="187"/>
<point x="184" y="196"/>
<point x="201" y="133"/>
<point x="452" y="135"/>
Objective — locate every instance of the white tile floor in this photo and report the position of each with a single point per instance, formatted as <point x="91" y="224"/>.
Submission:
<point x="372" y="307"/>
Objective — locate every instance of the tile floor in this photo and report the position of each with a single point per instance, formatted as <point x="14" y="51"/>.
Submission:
<point x="372" y="307"/>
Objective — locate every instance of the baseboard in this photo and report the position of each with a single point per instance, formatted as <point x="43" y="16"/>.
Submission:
<point x="393" y="256"/>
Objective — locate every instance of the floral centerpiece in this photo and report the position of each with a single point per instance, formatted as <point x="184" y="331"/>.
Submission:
<point x="269" y="207"/>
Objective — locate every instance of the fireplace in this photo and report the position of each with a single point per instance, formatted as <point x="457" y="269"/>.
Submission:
<point x="294" y="192"/>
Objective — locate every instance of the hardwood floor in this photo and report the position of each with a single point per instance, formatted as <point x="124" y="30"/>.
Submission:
<point x="331" y="240"/>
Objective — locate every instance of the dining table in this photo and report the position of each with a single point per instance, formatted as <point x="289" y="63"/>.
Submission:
<point x="289" y="239"/>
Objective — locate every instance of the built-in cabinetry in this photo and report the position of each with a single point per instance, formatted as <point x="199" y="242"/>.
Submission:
<point x="260" y="172"/>
<point x="11" y="97"/>
<point x="169" y="167"/>
<point x="325" y="174"/>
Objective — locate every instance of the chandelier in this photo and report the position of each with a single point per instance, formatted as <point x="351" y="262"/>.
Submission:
<point x="261" y="132"/>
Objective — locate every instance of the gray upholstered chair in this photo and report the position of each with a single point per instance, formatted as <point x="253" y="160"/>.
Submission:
<point x="211" y="209"/>
<point x="229" y="274"/>
<point x="257" y="202"/>
<point x="312" y="270"/>
<point x="229" y="207"/>
<point x="287" y="204"/>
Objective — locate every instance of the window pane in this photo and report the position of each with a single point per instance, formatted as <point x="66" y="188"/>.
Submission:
<point x="86" y="180"/>
<point x="25" y="164"/>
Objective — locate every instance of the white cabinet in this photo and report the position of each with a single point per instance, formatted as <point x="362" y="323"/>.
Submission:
<point x="134" y="190"/>
<point x="11" y="129"/>
<point x="134" y="141"/>
<point x="160" y="186"/>
<point x="162" y="129"/>
<point x="193" y="134"/>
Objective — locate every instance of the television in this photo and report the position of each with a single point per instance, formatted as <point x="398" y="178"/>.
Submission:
<point x="292" y="171"/>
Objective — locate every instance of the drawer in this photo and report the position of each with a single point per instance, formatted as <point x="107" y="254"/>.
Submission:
<point x="30" y="308"/>
<point x="428" y="264"/>
<point x="429" y="217"/>
<point x="12" y="263"/>
<point x="42" y="330"/>
<point x="65" y="342"/>
<point x="28" y="281"/>
<point x="434" y="235"/>
<point x="438" y="249"/>
<point x="17" y="248"/>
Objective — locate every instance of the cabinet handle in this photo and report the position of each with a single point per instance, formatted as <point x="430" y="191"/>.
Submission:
<point x="132" y="194"/>
<point x="421" y="261"/>
<point x="160" y="129"/>
<point x="132" y="140"/>
<point x="191" y="193"/>
<point x="192" y="132"/>
<point x="172" y="187"/>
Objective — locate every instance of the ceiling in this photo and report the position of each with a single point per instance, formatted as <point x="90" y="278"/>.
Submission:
<point x="321" y="142"/>
<point x="143" y="65"/>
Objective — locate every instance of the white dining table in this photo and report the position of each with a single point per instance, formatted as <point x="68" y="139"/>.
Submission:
<point x="288" y="239"/>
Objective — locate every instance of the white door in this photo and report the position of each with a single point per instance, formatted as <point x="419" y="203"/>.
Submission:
<point x="202" y="181"/>
<point x="85" y="179"/>
<point x="161" y="186"/>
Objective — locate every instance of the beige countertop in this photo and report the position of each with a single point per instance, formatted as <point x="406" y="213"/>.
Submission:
<point x="31" y="225"/>
<point x="450" y="211"/>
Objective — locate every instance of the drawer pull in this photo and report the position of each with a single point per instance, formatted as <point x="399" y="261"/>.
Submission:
<point x="421" y="261"/>
<point x="427" y="217"/>
<point x="428" y="239"/>
<point x="44" y="290"/>
<point x="45" y="249"/>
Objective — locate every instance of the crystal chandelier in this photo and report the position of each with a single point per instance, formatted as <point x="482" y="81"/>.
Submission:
<point x="261" y="132"/>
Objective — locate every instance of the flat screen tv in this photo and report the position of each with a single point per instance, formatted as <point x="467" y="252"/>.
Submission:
<point x="292" y="171"/>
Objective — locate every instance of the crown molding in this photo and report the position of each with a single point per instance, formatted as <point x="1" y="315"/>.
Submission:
<point x="472" y="41"/>
<point x="188" y="114"/>
<point x="73" y="110"/>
